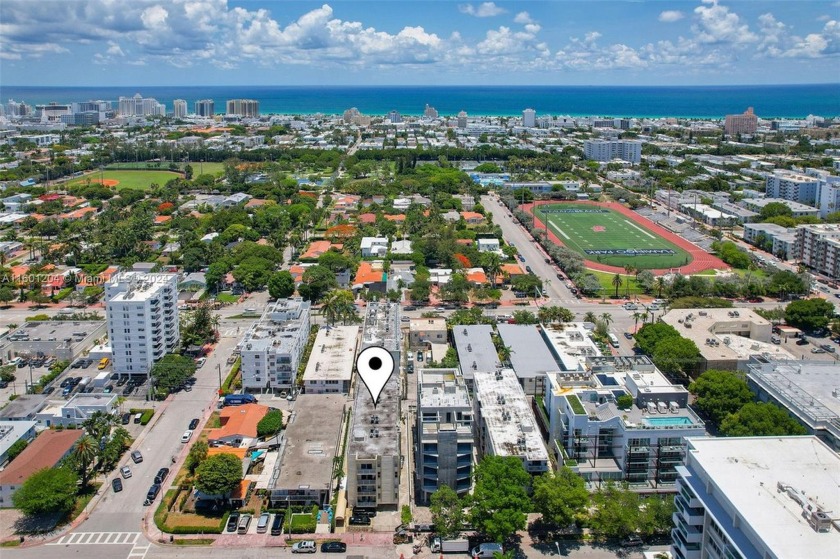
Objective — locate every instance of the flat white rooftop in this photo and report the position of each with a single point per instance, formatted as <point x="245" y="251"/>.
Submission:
<point x="571" y="345"/>
<point x="333" y="354"/>
<point x="511" y="426"/>
<point x="747" y="470"/>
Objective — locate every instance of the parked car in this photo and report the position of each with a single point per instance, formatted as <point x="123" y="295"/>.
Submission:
<point x="233" y="522"/>
<point x="244" y="523"/>
<point x="185" y="438"/>
<point x="632" y="541"/>
<point x="136" y="456"/>
<point x="817" y="350"/>
<point x="277" y="524"/>
<point x="193" y="424"/>
<point x="126" y="418"/>
<point x="333" y="547"/>
<point x="359" y="521"/>
<point x="305" y="546"/>
<point x="116" y="484"/>
<point x="161" y="475"/>
<point x="126" y="472"/>
<point x="262" y="524"/>
<point x="152" y="494"/>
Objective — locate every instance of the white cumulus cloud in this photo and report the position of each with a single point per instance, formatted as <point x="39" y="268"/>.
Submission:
<point x="485" y="9"/>
<point x="670" y="16"/>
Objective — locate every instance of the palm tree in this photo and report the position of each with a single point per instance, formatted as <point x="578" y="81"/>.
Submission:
<point x="545" y="314"/>
<point x="590" y="317"/>
<point x="636" y="317"/>
<point x="617" y="282"/>
<point x="84" y="453"/>
<point x="629" y="270"/>
<point x="338" y="305"/>
<point x="645" y="317"/>
<point x="492" y="265"/>
<point x="607" y="319"/>
<point x="504" y="354"/>
<point x="660" y="285"/>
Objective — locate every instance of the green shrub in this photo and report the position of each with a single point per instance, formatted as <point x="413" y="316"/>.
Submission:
<point x="146" y="417"/>
<point x="270" y="424"/>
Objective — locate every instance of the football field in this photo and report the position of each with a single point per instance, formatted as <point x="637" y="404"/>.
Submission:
<point x="608" y="237"/>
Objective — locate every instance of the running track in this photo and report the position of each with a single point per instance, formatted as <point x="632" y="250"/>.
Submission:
<point x="700" y="259"/>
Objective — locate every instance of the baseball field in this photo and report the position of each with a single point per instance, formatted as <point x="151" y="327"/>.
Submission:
<point x="118" y="179"/>
<point x="608" y="237"/>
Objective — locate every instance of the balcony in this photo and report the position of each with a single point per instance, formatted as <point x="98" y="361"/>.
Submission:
<point x="689" y="516"/>
<point x="687" y="550"/>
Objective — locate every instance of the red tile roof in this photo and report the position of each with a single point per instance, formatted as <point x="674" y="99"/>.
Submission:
<point x="44" y="452"/>
<point x="238" y="420"/>
<point x="367" y="218"/>
<point x="367" y="274"/>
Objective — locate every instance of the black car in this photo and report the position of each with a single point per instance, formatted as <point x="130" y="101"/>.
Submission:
<point x="359" y="521"/>
<point x="364" y="511"/>
<point x="277" y="524"/>
<point x="233" y="522"/>
<point x="193" y="424"/>
<point x="632" y="541"/>
<point x="161" y="475"/>
<point x="121" y="381"/>
<point x="66" y="382"/>
<point x="410" y="308"/>
<point x="126" y="418"/>
<point x="116" y="483"/>
<point x="333" y="547"/>
<point x="152" y="494"/>
<point x="128" y="390"/>
<point x="48" y="390"/>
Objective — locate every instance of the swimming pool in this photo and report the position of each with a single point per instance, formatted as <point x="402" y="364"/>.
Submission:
<point x="667" y="421"/>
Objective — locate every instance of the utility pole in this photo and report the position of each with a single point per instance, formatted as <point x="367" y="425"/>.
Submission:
<point x="219" y="367"/>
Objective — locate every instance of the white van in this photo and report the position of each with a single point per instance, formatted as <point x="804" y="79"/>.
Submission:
<point x="185" y="438"/>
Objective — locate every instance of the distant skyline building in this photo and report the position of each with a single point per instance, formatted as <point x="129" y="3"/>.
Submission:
<point x="394" y="117"/>
<point x="140" y="106"/>
<point x="205" y="107"/>
<point x="746" y="123"/>
<point x="245" y="108"/>
<point x="462" y="120"/>
<point x="179" y="108"/>
<point x="351" y="114"/>
<point x="529" y="118"/>
<point x="796" y="187"/>
<point x="430" y="112"/>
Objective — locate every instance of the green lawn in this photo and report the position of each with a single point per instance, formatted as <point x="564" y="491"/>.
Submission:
<point x="589" y="229"/>
<point x="141" y="180"/>
<point x="207" y="168"/>
<point x="628" y="286"/>
<point x="227" y="297"/>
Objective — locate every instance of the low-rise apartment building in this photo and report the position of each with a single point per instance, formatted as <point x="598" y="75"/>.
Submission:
<point x="444" y="433"/>
<point x="373" y="448"/>
<point x="271" y="351"/>
<point x="330" y="366"/>
<point x="620" y="420"/>
<point x="820" y="248"/>
<point x="504" y="424"/>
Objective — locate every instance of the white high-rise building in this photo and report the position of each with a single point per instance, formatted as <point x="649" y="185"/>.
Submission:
<point x="142" y="314"/>
<point x="179" y="108"/>
<point x="205" y="107"/>
<point x="756" y="497"/>
<point x="462" y="120"/>
<point x="529" y="118"/>
<point x="430" y="112"/>
<point x="607" y="150"/>
<point x="792" y="186"/>
<point x="140" y="106"/>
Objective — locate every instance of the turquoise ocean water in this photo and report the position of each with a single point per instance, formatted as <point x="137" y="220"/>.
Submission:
<point x="793" y="101"/>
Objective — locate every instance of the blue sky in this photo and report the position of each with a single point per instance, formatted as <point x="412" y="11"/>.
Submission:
<point x="584" y="42"/>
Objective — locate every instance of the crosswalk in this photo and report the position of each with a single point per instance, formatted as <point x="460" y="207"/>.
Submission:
<point x="139" y="546"/>
<point x="98" y="538"/>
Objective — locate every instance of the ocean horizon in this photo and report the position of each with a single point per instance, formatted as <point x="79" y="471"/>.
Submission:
<point x="701" y="102"/>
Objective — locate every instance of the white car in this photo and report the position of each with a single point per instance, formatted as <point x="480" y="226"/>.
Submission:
<point x="200" y="362"/>
<point x="126" y="472"/>
<point x="185" y="438"/>
<point x="305" y="546"/>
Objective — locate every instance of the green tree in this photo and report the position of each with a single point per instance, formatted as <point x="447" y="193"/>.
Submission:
<point x="335" y="261"/>
<point x="719" y="393"/>
<point x="447" y="512"/>
<point x="760" y="420"/>
<point x="617" y="282"/>
<point x="676" y="356"/>
<point x="219" y="474"/>
<point x="616" y="513"/>
<point x="6" y="295"/>
<point x="339" y="304"/>
<point x="524" y="317"/>
<point x="420" y="290"/>
<point x="270" y="424"/>
<point x="83" y="456"/>
<point x="775" y="209"/>
<point x="499" y="509"/>
<point x="112" y="451"/>
<point x="809" y="314"/>
<point x="171" y="372"/>
<point x="199" y="326"/>
<point x="316" y="282"/>
<point x="492" y="264"/>
<point x="656" y="516"/>
<point x="253" y="273"/>
<point x="561" y="497"/>
<point x="456" y="289"/>
<point x="650" y="335"/>
<point x="196" y="455"/>
<point x="17" y="447"/>
<point x="526" y="283"/>
<point x="281" y="285"/>
<point x="47" y="491"/>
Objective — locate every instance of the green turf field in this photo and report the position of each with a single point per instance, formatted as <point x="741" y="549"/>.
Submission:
<point x="128" y="179"/>
<point x="207" y="168"/>
<point x="602" y="235"/>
